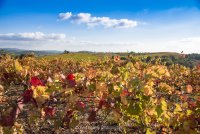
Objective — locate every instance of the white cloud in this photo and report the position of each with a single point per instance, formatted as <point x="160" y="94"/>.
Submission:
<point x="65" y="16"/>
<point x="191" y="40"/>
<point x="32" y="36"/>
<point x="107" y="44"/>
<point x="91" y="21"/>
<point x="187" y="45"/>
<point x="41" y="41"/>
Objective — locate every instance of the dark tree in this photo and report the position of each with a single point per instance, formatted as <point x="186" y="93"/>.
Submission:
<point x="66" y="52"/>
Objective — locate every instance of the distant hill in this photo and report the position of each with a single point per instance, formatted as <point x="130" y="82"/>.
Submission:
<point x="190" y="60"/>
<point x="17" y="51"/>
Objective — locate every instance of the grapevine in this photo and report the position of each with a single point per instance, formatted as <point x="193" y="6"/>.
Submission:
<point x="56" y="96"/>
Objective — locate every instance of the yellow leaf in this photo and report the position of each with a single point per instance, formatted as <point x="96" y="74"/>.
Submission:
<point x="149" y="131"/>
<point x="148" y="88"/>
<point x="40" y="94"/>
<point x="117" y="116"/>
<point x="100" y="86"/>
<point x="17" y="66"/>
<point x="189" y="112"/>
<point x="148" y="91"/>
<point x="163" y="104"/>
<point x="124" y="100"/>
<point x="165" y="87"/>
<point x="178" y="108"/>
<point x="151" y="111"/>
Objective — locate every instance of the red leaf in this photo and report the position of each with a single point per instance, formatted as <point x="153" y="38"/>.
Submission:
<point x="36" y="82"/>
<point x="69" y="112"/>
<point x="81" y="104"/>
<point x="125" y="92"/>
<point x="27" y="95"/>
<point x="192" y="104"/>
<point x="50" y="111"/>
<point x="92" y="116"/>
<point x="117" y="58"/>
<point x="7" y="120"/>
<point x="68" y="117"/>
<point x="101" y="103"/>
<point x="70" y="76"/>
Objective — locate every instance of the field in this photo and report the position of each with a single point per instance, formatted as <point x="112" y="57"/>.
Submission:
<point x="95" y="56"/>
<point x="74" y="56"/>
<point x="98" y="93"/>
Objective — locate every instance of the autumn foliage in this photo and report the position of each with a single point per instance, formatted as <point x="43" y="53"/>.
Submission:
<point x="58" y="96"/>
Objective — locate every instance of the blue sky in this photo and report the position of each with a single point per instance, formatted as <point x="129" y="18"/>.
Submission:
<point x="101" y="25"/>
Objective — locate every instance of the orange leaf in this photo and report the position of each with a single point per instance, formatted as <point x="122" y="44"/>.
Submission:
<point x="189" y="89"/>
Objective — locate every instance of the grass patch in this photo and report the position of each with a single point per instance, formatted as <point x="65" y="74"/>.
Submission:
<point x="73" y="56"/>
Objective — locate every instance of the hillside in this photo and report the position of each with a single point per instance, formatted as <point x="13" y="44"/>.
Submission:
<point x="189" y="60"/>
<point x="16" y="51"/>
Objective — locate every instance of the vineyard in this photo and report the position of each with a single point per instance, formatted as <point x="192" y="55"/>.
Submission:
<point x="100" y="96"/>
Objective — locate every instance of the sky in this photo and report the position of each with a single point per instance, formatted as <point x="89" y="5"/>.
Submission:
<point x="101" y="25"/>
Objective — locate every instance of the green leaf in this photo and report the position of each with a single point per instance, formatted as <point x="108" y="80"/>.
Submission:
<point x="74" y="122"/>
<point x="92" y="87"/>
<point x="186" y="125"/>
<point x="57" y="123"/>
<point x="110" y="88"/>
<point x="7" y="130"/>
<point x="134" y="109"/>
<point x="32" y="119"/>
<point x="50" y="90"/>
<point x="159" y="110"/>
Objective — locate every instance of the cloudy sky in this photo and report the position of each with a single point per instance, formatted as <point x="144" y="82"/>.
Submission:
<point x="101" y="25"/>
